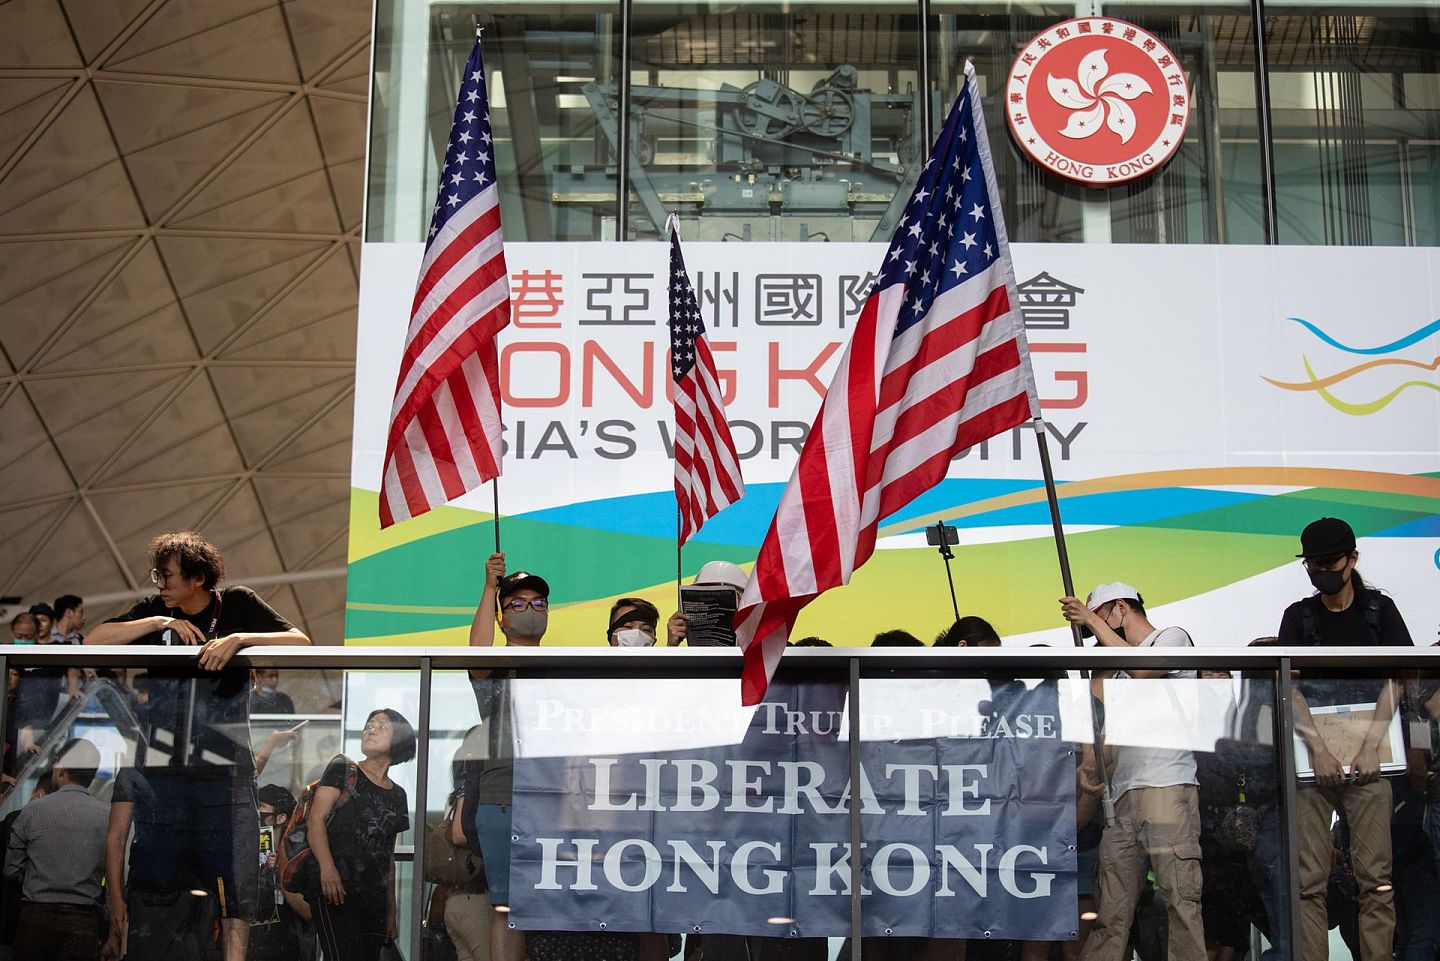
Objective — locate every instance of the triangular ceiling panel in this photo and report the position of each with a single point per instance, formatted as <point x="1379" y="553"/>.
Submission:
<point x="229" y="40"/>
<point x="290" y="504"/>
<point x="23" y="105"/>
<point x="41" y="284"/>
<point x="71" y="177"/>
<point x="96" y="25"/>
<point x="323" y="30"/>
<point x="341" y="125"/>
<point x="272" y="185"/>
<point x="244" y="532"/>
<point x="85" y="566"/>
<point x="175" y="136"/>
<point x="23" y="532"/>
<point x="217" y="311"/>
<point x="34" y="33"/>
<point x="299" y="205"/>
<point x="198" y="190"/>
<point x="299" y="326"/>
<point x="91" y="416"/>
<point x="29" y="465"/>
<point x="135" y="320"/>
<point x="352" y="76"/>
<point x="134" y="517"/>
<point x="257" y="398"/>
<point x="189" y="438"/>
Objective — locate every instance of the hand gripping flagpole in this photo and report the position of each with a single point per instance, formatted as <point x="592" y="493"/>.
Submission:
<point x="1107" y="803"/>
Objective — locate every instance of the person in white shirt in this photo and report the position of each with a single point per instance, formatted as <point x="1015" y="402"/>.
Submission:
<point x="1157" y="805"/>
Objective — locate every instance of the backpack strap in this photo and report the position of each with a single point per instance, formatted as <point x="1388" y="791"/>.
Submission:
<point x="1372" y="615"/>
<point x="1309" y="623"/>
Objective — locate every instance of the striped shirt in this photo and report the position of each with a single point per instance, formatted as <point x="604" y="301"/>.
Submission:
<point x="57" y="846"/>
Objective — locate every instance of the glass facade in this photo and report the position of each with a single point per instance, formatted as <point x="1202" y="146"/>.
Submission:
<point x="805" y="121"/>
<point x="1006" y="805"/>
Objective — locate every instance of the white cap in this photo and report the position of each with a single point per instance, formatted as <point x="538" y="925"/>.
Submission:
<point x="1106" y="593"/>
<point x="722" y="572"/>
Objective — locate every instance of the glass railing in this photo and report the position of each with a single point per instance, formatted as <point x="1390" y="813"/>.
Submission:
<point x="1006" y="803"/>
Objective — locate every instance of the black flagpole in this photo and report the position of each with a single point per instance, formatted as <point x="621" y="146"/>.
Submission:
<point x="1106" y="801"/>
<point x="673" y="222"/>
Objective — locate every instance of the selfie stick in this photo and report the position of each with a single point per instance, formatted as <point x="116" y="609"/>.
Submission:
<point x="949" y="555"/>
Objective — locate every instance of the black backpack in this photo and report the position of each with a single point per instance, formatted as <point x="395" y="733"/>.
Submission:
<point x="1310" y="619"/>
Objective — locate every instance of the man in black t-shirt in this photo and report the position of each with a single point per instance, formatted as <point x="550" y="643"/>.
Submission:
<point x="1344" y="613"/>
<point x="191" y="796"/>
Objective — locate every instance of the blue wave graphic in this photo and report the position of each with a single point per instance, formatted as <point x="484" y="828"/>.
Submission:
<point x="1401" y="344"/>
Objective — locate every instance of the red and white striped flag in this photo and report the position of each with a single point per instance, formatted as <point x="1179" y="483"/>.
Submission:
<point x="707" y="470"/>
<point x="937" y="363"/>
<point x="444" y="435"/>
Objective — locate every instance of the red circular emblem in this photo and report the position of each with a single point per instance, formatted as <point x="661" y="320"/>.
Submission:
<point x="1098" y="101"/>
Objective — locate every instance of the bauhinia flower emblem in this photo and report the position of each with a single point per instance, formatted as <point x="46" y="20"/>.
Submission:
<point x="1096" y="96"/>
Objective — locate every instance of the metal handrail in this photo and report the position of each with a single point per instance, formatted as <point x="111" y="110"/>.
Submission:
<point x="725" y="661"/>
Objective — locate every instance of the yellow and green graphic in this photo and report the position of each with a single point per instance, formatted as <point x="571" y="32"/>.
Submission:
<point x="1322" y="385"/>
<point x="1178" y="533"/>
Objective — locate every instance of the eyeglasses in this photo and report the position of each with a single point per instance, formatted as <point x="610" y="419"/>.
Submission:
<point x="535" y="603"/>
<point x="1315" y="565"/>
<point x="159" y="577"/>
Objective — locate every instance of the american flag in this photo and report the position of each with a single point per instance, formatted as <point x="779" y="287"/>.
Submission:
<point x="445" y="422"/>
<point x="707" y="470"/>
<point x="938" y="362"/>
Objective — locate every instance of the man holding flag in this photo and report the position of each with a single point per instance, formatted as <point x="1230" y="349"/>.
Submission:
<point x="938" y="363"/>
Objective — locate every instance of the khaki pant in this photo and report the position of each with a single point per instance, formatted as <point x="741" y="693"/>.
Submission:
<point x="1159" y="826"/>
<point x="1367" y="809"/>
<point x="467" y="918"/>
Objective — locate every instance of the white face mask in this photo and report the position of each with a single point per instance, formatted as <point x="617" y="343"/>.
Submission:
<point x="633" y="637"/>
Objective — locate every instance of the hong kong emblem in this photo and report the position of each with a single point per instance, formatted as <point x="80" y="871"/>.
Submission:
<point x="1098" y="101"/>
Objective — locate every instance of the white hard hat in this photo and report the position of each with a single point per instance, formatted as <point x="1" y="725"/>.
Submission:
<point x="722" y="572"/>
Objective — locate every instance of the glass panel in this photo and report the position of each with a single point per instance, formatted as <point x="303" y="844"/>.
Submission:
<point x="1210" y="190"/>
<point x="546" y="67"/>
<point x="621" y="817"/>
<point x="1367" y="873"/>
<point x="1354" y="97"/>
<point x="175" y="788"/>
<point x="991" y="840"/>
<point x="763" y="121"/>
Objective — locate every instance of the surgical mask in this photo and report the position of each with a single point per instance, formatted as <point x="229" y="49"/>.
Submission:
<point x="1119" y="631"/>
<point x="1330" y="582"/>
<point x="527" y="624"/>
<point x="633" y="637"/>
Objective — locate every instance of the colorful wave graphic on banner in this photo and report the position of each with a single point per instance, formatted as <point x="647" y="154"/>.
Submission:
<point x="1321" y="385"/>
<point x="1180" y="533"/>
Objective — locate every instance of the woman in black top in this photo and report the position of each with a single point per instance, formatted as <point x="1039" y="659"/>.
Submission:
<point x="356" y="816"/>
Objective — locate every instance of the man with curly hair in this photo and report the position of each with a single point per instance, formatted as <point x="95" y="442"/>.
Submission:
<point x="191" y="795"/>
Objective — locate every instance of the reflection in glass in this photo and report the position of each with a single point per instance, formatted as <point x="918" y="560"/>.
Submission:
<point x="773" y="123"/>
<point x="552" y="152"/>
<point x="1355" y="97"/>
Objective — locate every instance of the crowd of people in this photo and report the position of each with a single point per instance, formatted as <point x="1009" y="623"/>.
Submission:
<point x="1179" y="850"/>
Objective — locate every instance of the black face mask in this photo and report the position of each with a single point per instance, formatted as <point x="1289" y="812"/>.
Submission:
<point x="1330" y="582"/>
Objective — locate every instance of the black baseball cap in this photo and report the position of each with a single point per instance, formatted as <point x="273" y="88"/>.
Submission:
<point x="519" y="581"/>
<point x="1327" y="537"/>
